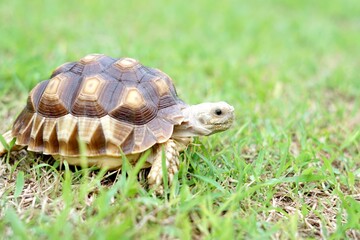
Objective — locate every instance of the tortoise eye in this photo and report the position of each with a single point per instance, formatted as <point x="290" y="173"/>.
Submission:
<point x="218" y="112"/>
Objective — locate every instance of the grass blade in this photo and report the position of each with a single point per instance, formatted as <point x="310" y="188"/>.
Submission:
<point x="19" y="185"/>
<point x="210" y="181"/>
<point x="295" y="179"/>
<point x="164" y="171"/>
<point x="16" y="224"/>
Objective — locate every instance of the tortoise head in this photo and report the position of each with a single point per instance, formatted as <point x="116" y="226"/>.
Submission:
<point x="205" y="119"/>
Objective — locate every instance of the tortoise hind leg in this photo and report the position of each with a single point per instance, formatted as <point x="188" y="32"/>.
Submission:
<point x="171" y="154"/>
<point x="8" y="138"/>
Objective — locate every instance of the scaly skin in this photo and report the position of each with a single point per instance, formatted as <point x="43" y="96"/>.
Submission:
<point x="171" y="154"/>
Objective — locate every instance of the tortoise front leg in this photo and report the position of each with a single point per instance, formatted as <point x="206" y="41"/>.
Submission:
<point x="155" y="177"/>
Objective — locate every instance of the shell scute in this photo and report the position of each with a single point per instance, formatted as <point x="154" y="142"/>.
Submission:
<point x="116" y="133"/>
<point x="86" y="102"/>
<point x="36" y="136"/>
<point x="62" y="68"/>
<point x="57" y="97"/>
<point x="51" y="143"/>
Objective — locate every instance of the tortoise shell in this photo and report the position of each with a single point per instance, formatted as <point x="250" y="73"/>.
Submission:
<point x="111" y="105"/>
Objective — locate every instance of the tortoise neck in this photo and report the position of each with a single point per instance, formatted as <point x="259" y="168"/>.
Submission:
<point x="191" y="126"/>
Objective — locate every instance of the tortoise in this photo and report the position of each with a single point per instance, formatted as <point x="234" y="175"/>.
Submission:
<point x="116" y="107"/>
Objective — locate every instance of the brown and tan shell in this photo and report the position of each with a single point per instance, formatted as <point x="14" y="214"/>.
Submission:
<point x="111" y="105"/>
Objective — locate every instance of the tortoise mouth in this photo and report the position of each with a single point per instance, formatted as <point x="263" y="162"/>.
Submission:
<point x="224" y="123"/>
<point x="220" y="126"/>
<point x="228" y="121"/>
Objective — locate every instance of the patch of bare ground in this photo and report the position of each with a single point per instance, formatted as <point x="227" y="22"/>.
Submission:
<point x="317" y="211"/>
<point x="41" y="183"/>
<point x="317" y="207"/>
<point x="39" y="189"/>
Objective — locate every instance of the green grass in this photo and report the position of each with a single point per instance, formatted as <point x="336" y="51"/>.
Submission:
<point x="288" y="169"/>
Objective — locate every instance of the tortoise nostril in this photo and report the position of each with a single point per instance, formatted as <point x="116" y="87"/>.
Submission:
<point x="218" y="112"/>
